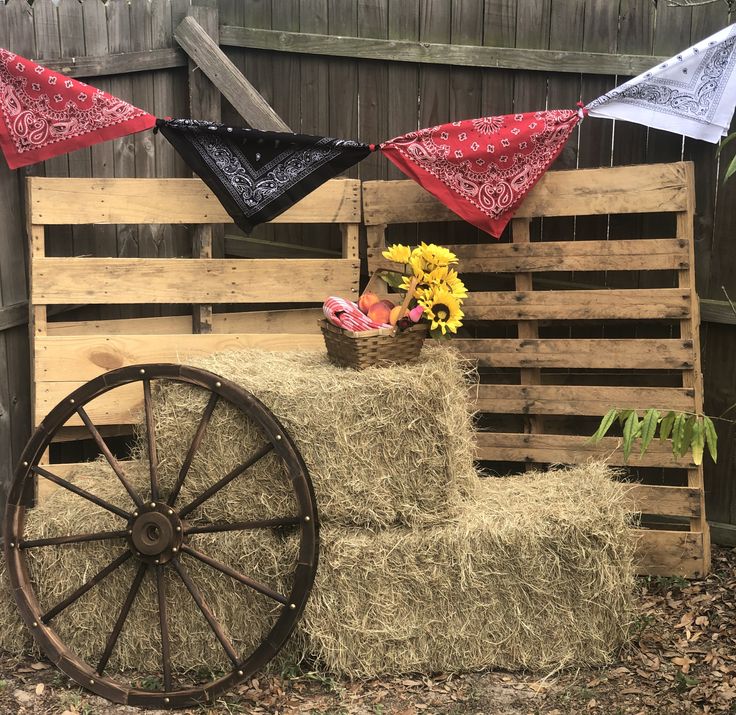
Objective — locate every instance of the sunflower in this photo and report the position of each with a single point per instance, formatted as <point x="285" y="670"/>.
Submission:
<point x="436" y="256"/>
<point x="447" y="278"/>
<point x="442" y="309"/>
<point x="455" y="285"/>
<point x="397" y="253"/>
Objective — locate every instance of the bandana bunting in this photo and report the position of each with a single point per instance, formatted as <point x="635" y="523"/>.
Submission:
<point x="258" y="175"/>
<point x="693" y="93"/>
<point x="483" y="168"/>
<point x="46" y="114"/>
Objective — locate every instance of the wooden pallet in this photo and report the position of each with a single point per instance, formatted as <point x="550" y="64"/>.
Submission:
<point x="67" y="354"/>
<point x="541" y="386"/>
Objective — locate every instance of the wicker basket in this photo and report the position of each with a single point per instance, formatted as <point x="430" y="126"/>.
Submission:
<point x="384" y="346"/>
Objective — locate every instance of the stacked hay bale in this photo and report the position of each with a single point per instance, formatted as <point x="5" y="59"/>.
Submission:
<point x="423" y="566"/>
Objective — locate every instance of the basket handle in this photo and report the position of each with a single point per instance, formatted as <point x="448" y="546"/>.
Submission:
<point x="409" y="293"/>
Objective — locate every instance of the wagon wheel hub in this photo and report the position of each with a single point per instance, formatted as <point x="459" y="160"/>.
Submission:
<point x="155" y="533"/>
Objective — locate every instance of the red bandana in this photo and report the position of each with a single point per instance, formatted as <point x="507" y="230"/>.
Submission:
<point x="45" y="113"/>
<point x="483" y="168"/>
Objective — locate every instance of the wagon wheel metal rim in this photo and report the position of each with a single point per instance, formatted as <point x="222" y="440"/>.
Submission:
<point x="154" y="532"/>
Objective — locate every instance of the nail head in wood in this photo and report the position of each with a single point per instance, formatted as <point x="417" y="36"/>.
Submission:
<point x="292" y="606"/>
<point x="306" y="518"/>
<point x="218" y="384"/>
<point x="278" y="436"/>
<point x="142" y="371"/>
<point x="35" y="624"/>
<point x="25" y="464"/>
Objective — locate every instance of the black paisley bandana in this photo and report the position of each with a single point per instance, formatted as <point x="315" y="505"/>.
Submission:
<point x="257" y="175"/>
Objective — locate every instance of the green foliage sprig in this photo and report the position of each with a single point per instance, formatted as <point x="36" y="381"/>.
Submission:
<point x="687" y="432"/>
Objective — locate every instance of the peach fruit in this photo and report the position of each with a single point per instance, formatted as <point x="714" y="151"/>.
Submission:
<point x="367" y="300"/>
<point x="394" y="316"/>
<point x="380" y="312"/>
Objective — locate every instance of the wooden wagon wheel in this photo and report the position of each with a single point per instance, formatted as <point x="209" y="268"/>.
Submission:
<point x="154" y="532"/>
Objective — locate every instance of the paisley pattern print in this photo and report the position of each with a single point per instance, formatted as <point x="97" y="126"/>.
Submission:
<point x="258" y="175"/>
<point x="693" y="93"/>
<point x="45" y="113"/>
<point x="483" y="168"/>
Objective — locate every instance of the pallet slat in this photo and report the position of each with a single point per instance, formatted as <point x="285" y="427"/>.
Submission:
<point x="670" y="501"/>
<point x="172" y="201"/>
<point x="614" y="255"/>
<point x="670" y="553"/>
<point x="583" y="353"/>
<point x="80" y="358"/>
<point x="654" y="303"/>
<point x="569" y="449"/>
<point x="190" y="280"/>
<point x="296" y="320"/>
<point x="579" y="192"/>
<point x="576" y="399"/>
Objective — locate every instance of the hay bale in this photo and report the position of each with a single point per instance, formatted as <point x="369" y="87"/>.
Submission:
<point x="383" y="446"/>
<point x="536" y="573"/>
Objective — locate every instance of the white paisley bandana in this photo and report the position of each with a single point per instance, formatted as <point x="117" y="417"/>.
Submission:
<point x="693" y="93"/>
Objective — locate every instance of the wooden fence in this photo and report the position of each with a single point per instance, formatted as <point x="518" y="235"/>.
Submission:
<point x="409" y="64"/>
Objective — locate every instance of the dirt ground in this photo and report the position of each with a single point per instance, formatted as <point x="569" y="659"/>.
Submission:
<point x="682" y="660"/>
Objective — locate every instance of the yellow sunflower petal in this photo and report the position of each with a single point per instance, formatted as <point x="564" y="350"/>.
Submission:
<point x="397" y="253"/>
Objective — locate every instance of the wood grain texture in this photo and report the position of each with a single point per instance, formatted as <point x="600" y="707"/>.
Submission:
<point x="670" y="501"/>
<point x="632" y="189"/>
<point x="578" y="304"/>
<point x="580" y="353"/>
<point x="670" y="553"/>
<point x="576" y="399"/>
<point x="437" y="53"/>
<point x="243" y="96"/>
<point x="294" y="320"/>
<point x="569" y="449"/>
<point x="175" y="201"/>
<point x="70" y="358"/>
<point x="189" y="280"/>
<point x="614" y="255"/>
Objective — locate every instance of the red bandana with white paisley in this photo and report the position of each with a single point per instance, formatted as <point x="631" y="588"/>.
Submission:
<point x="45" y="113"/>
<point x="483" y="168"/>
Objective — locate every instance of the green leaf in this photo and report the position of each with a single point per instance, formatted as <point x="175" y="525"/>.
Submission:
<point x="624" y="415"/>
<point x="687" y="436"/>
<point x="631" y="430"/>
<point x="608" y="419"/>
<point x="678" y="434"/>
<point x="648" y="428"/>
<point x="722" y="145"/>
<point x="665" y="427"/>
<point x="731" y="169"/>
<point x="393" y="279"/>
<point x="711" y="437"/>
<point x="697" y="441"/>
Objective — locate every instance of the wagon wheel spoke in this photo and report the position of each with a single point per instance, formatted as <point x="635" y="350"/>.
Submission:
<point x="205" y="495"/>
<point x="232" y="573"/>
<point x="164" y="626"/>
<point x="122" y="617"/>
<point x="81" y="492"/>
<point x="206" y="612"/>
<point x="151" y="439"/>
<point x="109" y="456"/>
<point x="243" y="525"/>
<point x="193" y="447"/>
<point x="73" y="539"/>
<point x="72" y="597"/>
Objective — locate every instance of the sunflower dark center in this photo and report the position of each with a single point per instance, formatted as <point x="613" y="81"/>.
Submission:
<point x="441" y="311"/>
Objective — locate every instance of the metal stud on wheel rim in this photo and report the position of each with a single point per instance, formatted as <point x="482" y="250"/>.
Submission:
<point x="154" y="533"/>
